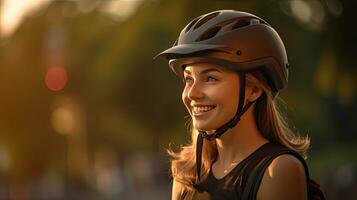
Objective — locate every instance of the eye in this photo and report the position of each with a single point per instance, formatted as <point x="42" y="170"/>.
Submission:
<point x="211" y="78"/>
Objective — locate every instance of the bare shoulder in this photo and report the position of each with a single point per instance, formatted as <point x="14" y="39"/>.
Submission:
<point x="177" y="189"/>
<point x="284" y="179"/>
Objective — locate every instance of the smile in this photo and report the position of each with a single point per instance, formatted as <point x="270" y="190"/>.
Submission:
<point x="201" y="110"/>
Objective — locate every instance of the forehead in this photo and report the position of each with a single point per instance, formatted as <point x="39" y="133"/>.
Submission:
<point x="204" y="67"/>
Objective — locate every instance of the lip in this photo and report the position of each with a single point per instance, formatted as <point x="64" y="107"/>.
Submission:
<point x="202" y="113"/>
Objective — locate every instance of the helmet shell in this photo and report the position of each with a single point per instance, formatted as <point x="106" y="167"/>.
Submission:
<point x="237" y="40"/>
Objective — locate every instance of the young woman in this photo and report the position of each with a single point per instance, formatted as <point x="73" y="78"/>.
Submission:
<point x="233" y="65"/>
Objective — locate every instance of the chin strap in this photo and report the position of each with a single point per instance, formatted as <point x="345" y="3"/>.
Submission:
<point x="221" y="130"/>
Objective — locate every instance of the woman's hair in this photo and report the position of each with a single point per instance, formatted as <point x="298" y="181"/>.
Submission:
<point x="270" y="123"/>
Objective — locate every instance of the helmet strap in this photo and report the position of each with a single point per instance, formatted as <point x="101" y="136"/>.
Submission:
<point x="221" y="130"/>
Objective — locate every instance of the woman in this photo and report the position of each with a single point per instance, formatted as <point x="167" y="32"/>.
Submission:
<point x="233" y="65"/>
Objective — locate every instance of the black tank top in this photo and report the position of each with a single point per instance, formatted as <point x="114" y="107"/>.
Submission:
<point x="232" y="185"/>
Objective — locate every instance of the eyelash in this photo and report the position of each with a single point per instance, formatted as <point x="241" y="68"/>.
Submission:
<point x="186" y="79"/>
<point x="212" y="78"/>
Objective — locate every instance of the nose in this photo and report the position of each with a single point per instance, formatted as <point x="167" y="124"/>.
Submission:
<point x="195" y="92"/>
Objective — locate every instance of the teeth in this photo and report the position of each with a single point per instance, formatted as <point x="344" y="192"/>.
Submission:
<point x="200" y="109"/>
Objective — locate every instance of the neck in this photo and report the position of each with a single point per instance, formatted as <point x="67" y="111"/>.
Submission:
<point x="240" y="141"/>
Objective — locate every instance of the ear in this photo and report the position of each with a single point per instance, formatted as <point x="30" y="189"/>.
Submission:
<point x="252" y="91"/>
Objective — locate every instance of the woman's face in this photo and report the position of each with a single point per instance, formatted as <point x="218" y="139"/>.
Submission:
<point x="210" y="95"/>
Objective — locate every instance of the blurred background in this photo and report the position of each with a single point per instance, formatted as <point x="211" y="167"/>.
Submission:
<point x="85" y="112"/>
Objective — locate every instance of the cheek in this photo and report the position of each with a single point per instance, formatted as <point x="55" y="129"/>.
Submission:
<point x="228" y="98"/>
<point x="185" y="99"/>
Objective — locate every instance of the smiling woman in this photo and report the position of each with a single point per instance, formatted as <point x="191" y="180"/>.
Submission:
<point x="233" y="65"/>
<point x="210" y="95"/>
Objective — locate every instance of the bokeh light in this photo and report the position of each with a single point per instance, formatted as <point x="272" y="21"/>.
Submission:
<point x="5" y="162"/>
<point x="310" y="13"/>
<point x="62" y="120"/>
<point x="56" y="78"/>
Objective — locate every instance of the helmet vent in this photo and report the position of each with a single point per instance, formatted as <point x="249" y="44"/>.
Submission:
<point x="241" y="23"/>
<point x="209" y="34"/>
<point x="205" y="19"/>
<point x="191" y="24"/>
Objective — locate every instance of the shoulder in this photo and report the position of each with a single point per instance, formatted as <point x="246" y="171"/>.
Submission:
<point x="284" y="179"/>
<point x="182" y="191"/>
<point x="177" y="189"/>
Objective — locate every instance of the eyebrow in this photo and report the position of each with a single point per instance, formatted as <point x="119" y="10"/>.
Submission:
<point x="204" y="71"/>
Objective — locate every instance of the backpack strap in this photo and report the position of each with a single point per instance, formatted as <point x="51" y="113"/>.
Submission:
<point x="255" y="178"/>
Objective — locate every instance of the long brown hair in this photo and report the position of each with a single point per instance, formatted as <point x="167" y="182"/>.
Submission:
<point x="270" y="122"/>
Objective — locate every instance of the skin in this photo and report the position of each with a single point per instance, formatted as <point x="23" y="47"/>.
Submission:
<point x="213" y="85"/>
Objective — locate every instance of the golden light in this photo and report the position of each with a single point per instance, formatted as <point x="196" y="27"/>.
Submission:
<point x="63" y="120"/>
<point x="121" y="9"/>
<point x="310" y="13"/>
<point x="5" y="162"/>
<point x="301" y="10"/>
<point x="12" y="13"/>
<point x="64" y="117"/>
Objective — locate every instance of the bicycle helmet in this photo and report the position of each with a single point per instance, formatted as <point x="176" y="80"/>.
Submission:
<point x="237" y="40"/>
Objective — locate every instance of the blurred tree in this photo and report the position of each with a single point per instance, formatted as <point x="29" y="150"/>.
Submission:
<point x="133" y="104"/>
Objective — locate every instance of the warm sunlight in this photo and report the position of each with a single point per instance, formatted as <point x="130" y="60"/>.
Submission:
<point x="13" y="12"/>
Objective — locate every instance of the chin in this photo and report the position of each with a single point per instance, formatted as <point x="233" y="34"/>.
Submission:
<point x="204" y="127"/>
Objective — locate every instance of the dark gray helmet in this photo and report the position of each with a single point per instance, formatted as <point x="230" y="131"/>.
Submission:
<point x="237" y="40"/>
